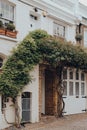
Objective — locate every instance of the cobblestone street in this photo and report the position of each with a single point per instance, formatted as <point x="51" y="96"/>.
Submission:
<point x="71" y="122"/>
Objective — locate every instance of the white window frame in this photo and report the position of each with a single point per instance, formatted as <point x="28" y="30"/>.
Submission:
<point x="59" y="29"/>
<point x="74" y="80"/>
<point x="7" y="14"/>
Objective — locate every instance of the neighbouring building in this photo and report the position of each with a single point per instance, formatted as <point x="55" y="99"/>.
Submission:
<point x="61" y="18"/>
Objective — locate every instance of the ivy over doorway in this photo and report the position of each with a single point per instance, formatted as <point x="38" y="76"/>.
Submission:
<point x="36" y="48"/>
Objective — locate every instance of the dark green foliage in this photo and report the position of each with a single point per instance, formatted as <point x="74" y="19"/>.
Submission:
<point x="10" y="26"/>
<point x="38" y="34"/>
<point x="16" y="70"/>
<point x="38" y="47"/>
<point x="62" y="53"/>
<point x="1" y="24"/>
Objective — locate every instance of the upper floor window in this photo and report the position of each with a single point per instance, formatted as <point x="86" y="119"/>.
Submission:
<point x="6" y="10"/>
<point x="1" y="62"/>
<point x="59" y="30"/>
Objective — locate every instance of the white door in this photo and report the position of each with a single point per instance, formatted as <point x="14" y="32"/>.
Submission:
<point x="74" y="91"/>
<point x="26" y="105"/>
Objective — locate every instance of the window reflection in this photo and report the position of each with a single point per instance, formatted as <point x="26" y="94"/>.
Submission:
<point x="82" y="76"/>
<point x="77" y="88"/>
<point x="65" y="87"/>
<point x="71" y="75"/>
<point x="77" y="75"/>
<point x="71" y="88"/>
<point x="82" y="89"/>
<point x="65" y="74"/>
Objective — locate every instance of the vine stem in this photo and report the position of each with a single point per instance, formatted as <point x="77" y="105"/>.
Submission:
<point x="60" y="91"/>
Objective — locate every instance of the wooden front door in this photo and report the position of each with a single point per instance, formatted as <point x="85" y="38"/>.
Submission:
<point x="49" y="92"/>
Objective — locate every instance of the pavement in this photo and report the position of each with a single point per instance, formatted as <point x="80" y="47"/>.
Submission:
<point x="70" y="122"/>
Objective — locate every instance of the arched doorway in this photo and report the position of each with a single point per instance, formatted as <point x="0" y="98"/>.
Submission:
<point x="26" y="106"/>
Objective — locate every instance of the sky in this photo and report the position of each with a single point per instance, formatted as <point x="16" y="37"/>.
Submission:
<point x="84" y="2"/>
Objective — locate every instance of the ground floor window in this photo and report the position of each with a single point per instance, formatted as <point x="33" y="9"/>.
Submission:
<point x="74" y="96"/>
<point x="26" y="106"/>
<point x="74" y="82"/>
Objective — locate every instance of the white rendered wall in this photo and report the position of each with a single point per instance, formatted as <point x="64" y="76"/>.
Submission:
<point x="34" y="89"/>
<point x="10" y="111"/>
<point x="6" y="46"/>
<point x="23" y="23"/>
<point x="8" y="114"/>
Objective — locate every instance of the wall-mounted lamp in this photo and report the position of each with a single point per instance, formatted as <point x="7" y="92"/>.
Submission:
<point x="44" y="13"/>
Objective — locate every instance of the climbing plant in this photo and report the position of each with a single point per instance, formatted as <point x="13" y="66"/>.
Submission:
<point x="36" y="48"/>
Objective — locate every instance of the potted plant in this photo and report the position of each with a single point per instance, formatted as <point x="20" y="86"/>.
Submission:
<point x="10" y="30"/>
<point x="2" y="29"/>
<point x="78" y="37"/>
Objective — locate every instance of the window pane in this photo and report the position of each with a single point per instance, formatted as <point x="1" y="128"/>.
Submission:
<point x="6" y="11"/>
<point x="65" y="87"/>
<point x="70" y="88"/>
<point x="77" y="88"/>
<point x="77" y="75"/>
<point x="82" y="76"/>
<point x="71" y="75"/>
<point x="65" y="74"/>
<point x="82" y="89"/>
<point x="2" y="8"/>
<point x="12" y="12"/>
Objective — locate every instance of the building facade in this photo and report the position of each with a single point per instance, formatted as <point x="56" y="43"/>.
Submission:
<point x="64" y="19"/>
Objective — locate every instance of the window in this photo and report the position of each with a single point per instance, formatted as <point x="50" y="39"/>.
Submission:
<point x="82" y="77"/>
<point x="71" y="74"/>
<point x="65" y="88"/>
<point x="74" y="82"/>
<point x="1" y="62"/>
<point x="65" y="74"/>
<point x="77" y="88"/>
<point x="82" y="89"/>
<point x="6" y="10"/>
<point x="71" y="88"/>
<point x="77" y="75"/>
<point x="59" y="30"/>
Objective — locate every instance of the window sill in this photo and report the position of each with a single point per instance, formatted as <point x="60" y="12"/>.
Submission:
<point x="8" y="38"/>
<point x="60" y="37"/>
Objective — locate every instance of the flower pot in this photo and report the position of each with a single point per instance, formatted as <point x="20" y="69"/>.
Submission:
<point x="2" y="31"/>
<point x="11" y="34"/>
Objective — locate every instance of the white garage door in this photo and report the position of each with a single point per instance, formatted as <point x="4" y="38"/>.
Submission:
<point x="74" y="91"/>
